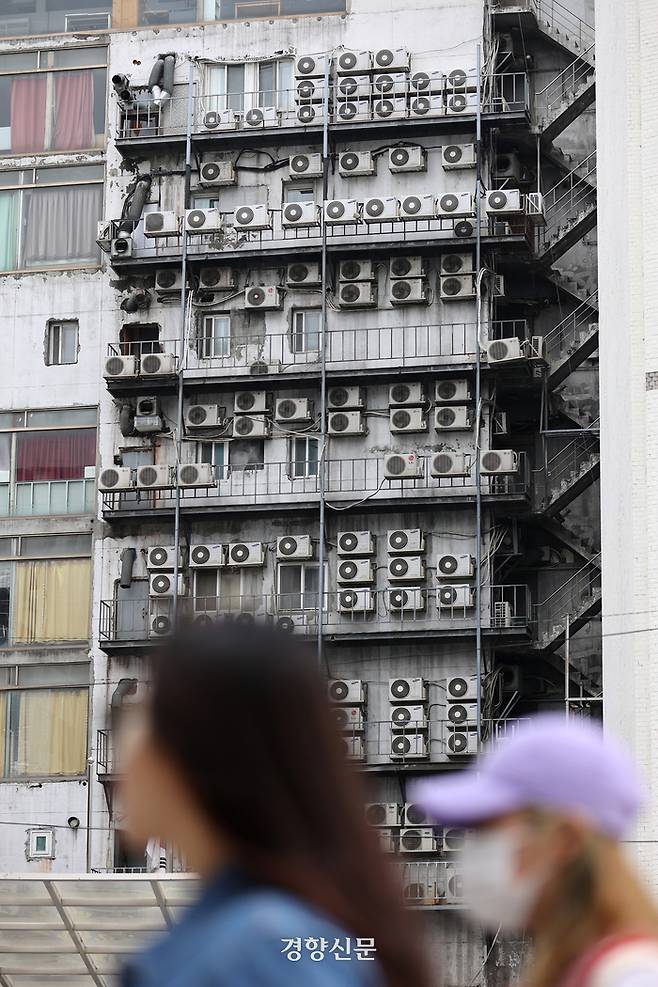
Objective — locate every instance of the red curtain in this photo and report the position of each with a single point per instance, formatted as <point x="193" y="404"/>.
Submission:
<point x="54" y="455"/>
<point x="28" y="113"/>
<point x="74" y="111"/>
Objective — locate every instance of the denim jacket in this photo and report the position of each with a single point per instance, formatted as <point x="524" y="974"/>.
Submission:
<point x="239" y="934"/>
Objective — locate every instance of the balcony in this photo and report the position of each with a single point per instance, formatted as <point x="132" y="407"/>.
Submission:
<point x="572" y="469"/>
<point x="549" y="18"/>
<point x="48" y="497"/>
<point x="579" y="598"/>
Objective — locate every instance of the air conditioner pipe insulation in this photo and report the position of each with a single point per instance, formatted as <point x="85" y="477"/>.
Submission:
<point x="133" y="204"/>
<point x="128" y="557"/>
<point x="121" y="84"/>
<point x="125" y="687"/>
<point x="161" y="79"/>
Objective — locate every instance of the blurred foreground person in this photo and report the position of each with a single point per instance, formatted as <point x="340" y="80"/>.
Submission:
<point x="238" y="765"/>
<point x="547" y="809"/>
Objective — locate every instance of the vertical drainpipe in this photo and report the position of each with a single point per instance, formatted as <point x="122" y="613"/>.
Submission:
<point x="478" y="391"/>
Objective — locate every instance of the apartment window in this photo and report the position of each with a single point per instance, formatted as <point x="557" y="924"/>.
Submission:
<point x="303" y="457"/>
<point x="217" y="591"/>
<point x="243" y="86"/>
<point x="62" y="342"/>
<point x="225" y="86"/>
<point x="217" y="454"/>
<point x="305" y="330"/>
<point x="43" y="732"/>
<point x="215" y="336"/>
<point x="140" y="338"/>
<point x="247" y="454"/>
<point x="18" y="19"/>
<point x="245" y="9"/>
<point x="48" y="217"/>
<point x="298" y="585"/>
<point x="168" y="12"/>
<point x="300" y="193"/>
<point x="40" y="844"/>
<point x="275" y="84"/>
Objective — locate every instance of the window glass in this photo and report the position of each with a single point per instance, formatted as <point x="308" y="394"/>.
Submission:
<point x="215" y="336"/>
<point x="54" y="455"/>
<point x="16" y="60"/>
<point x="245" y="9"/>
<point x="216" y="453"/>
<point x="304" y="457"/>
<point x="247" y="454"/>
<point x="300" y="193"/>
<point x="10" y="177"/>
<point x="85" y="173"/>
<point x="298" y="586"/>
<point x="72" y="673"/>
<point x="6" y="569"/>
<point x="37" y="546"/>
<point x="306" y="327"/>
<point x="235" y="87"/>
<point x="70" y="57"/>
<point x="51" y="601"/>
<point x="62" y="342"/>
<point x="61" y="416"/>
<point x="205" y="590"/>
<point x="43" y="732"/>
<point x="267" y="84"/>
<point x="29" y="17"/>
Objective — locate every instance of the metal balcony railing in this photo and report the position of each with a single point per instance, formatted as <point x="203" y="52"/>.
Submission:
<point x="568" y="200"/>
<point x="47" y="497"/>
<point x="575" y="598"/>
<point x="572" y="460"/>
<point x="506" y="92"/>
<point x="564" y="87"/>
<point x="569" y="334"/>
<point x="553" y="18"/>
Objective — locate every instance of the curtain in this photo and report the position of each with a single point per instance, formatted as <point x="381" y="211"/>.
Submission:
<point x="8" y="230"/>
<point x="52" y="732"/>
<point x="51" y="601"/>
<point x="74" y="111"/>
<point x="3" y="731"/>
<point x="61" y="225"/>
<point x="28" y="113"/>
<point x="54" y="455"/>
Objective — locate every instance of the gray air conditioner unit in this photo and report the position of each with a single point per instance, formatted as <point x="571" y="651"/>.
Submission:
<point x="207" y="556"/>
<point x="356" y="270"/>
<point x="163" y="557"/>
<point x="251" y="427"/>
<point x="456" y="417"/>
<point x="381" y="209"/>
<point x="450" y="464"/>
<point x="391" y="59"/>
<point x="407" y="600"/>
<point x="115" y="478"/>
<point x="157" y="365"/>
<point x="407" y="159"/>
<point x="499" y="462"/>
<point x="357" y="294"/>
<point x="201" y="416"/>
<point x="503" y="202"/>
<point x="406" y="541"/>
<point x="341" y="211"/>
<point x="154" y="477"/>
<point x="250" y="402"/>
<point x="426" y="106"/>
<point x="245" y="554"/>
<point x="306" y="165"/>
<point x="390" y="109"/>
<point x="418" y="207"/>
<point x="293" y="410"/>
<point x="168" y="279"/>
<point x="346" y="423"/>
<point x="217" y="278"/>
<point x="353" y="62"/>
<point x="346" y="397"/>
<point x="456" y="288"/>
<point x="300" y="214"/>
<point x="406" y="267"/>
<point x="202" y="220"/>
<point x="404" y="466"/>
<point x="405" y="394"/>
<point x="216" y="173"/>
<point x="196" y="475"/>
<point x="354" y="87"/>
<point x="310" y="91"/>
<point x="461" y="104"/>
<point x="453" y="263"/>
<point x="121" y="248"/>
<point x="356" y="543"/>
<point x="356" y="601"/>
<point x="353" y="110"/>
<point x="455" y="205"/>
<point x="303" y="274"/>
<point x="356" y="163"/>
<point x="221" y="120"/>
<point x="348" y="691"/>
<point x="451" y="597"/>
<point x="294" y="547"/>
<point x="261" y="116"/>
<point x="407" y="420"/>
<point x="252" y="218"/>
<point x="162" y="584"/>
<point x="455" y="156"/>
<point x="314" y="66"/>
<point x="388" y="85"/>
<point x="383" y="814"/>
<point x="504" y="350"/>
<point x="355" y="571"/>
<point x="455" y="567"/>
<point x="406" y="569"/>
<point x="161" y="224"/>
<point x="452" y="391"/>
<point x="409" y="747"/>
<point x="120" y="366"/>
<point x="408" y="291"/>
<point x="307" y="114"/>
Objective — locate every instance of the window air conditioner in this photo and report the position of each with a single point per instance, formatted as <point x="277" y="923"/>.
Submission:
<point x="456" y="288"/>
<point x="265" y="296"/>
<point x="453" y="418"/>
<point x="449" y="391"/>
<point x="356" y="163"/>
<point x="402" y="159"/>
<point x="450" y="464"/>
<point x="418" y="207"/>
<point x="356" y="601"/>
<point x="346" y="397"/>
<point x="407" y="420"/>
<point x="120" y="366"/>
<point x="404" y="291"/>
<point x="261" y="116"/>
<point x="202" y="220"/>
<point x="349" y="691"/>
<point x="504" y="350"/>
<point x="455" y="156"/>
<point x="417" y="841"/>
<point x="245" y="554"/>
<point x="353" y="62"/>
<point x="426" y="106"/>
<point x="405" y="541"/>
<point x="168" y="279"/>
<point x="157" y="365"/>
<point x="414" y="815"/>
<point x="341" y="211"/>
<point x="353" y="110"/>
<point x="293" y="410"/>
<point x="406" y="600"/>
<point x="202" y="416"/>
<point x="455" y="205"/>
<point x="355" y="571"/>
<point x="455" y="597"/>
<point x="215" y="173"/>
<point x="394" y="108"/>
<point x="408" y="747"/>
<point x="354" y="748"/>
<point x="294" y="547"/>
<point x="162" y="584"/>
<point x="153" y="477"/>
<point x="252" y="218"/>
<point x="121" y="248"/>
<point x="221" y="120"/>
<point x="348" y="719"/>
<point x="391" y="84"/>
<point x="356" y="543"/>
<point x="403" y="466"/>
<point x="356" y="270"/>
<point x="306" y="165"/>
<point x="207" y="556"/>
<point x="406" y="569"/>
<point x="251" y="427"/>
<point x="161" y="224"/>
<point x="303" y="274"/>
<point x="461" y="104"/>
<point x="407" y="690"/>
<point x="253" y="402"/>
<point x="115" y="478"/>
<point x="501" y="462"/>
<point x="408" y="718"/>
<point x="383" y="814"/>
<point x="381" y="210"/>
<point x="462" y="690"/>
<point x="163" y="557"/>
<point x="346" y="423"/>
<point x="455" y="567"/>
<point x="503" y="202"/>
<point x="406" y="267"/>
<point x="196" y="475"/>
<point x="358" y="294"/>
<point x="405" y="394"/>
<point x="300" y="214"/>
<point x="312" y="65"/>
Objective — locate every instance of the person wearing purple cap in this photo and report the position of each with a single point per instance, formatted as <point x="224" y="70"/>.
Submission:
<point x="546" y="810"/>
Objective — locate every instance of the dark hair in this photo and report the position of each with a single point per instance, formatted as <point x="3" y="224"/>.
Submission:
<point x="243" y="713"/>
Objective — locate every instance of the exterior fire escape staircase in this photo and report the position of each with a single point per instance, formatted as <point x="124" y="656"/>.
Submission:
<point x="579" y="599"/>
<point x="571" y="470"/>
<point x="564" y="98"/>
<point x="549" y="19"/>
<point x="572" y="341"/>
<point x="570" y="210"/>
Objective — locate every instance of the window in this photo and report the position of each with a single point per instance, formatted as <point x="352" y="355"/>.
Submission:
<point x="303" y="457"/>
<point x="43" y="732"/>
<point x="300" y="193"/>
<point x="62" y="342"/>
<point x="247" y="454"/>
<point x="215" y="336"/>
<point x="19" y="19"/>
<point x="298" y="585"/>
<point x="275" y="84"/>
<point x="241" y="87"/>
<point x="225" y="87"/>
<point x="139" y="339"/>
<point x="216" y="453"/>
<point x="40" y="843"/>
<point x="217" y="591"/>
<point x="236" y="9"/>
<point x="305" y="330"/>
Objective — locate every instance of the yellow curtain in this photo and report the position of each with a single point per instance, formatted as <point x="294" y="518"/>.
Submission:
<point x="51" y="601"/>
<point x="52" y="732"/>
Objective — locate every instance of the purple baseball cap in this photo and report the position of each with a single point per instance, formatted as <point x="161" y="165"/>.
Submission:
<point x="548" y="763"/>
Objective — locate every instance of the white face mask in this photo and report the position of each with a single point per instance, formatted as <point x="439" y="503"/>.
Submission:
<point x="496" y="895"/>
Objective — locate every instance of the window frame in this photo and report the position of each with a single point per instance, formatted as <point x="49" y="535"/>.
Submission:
<point x="220" y="572"/>
<point x="31" y="851"/>
<point x="303" y="565"/>
<point x="305" y="334"/>
<point x="292" y="460"/>
<point x="225" y="467"/>
<point x="250" y="98"/>
<point x="60" y="325"/>
<point x="6" y="777"/>
<point x="203" y="339"/>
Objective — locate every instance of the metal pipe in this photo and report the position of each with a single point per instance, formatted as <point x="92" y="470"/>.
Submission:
<point x="567" y="663"/>
<point x="478" y="390"/>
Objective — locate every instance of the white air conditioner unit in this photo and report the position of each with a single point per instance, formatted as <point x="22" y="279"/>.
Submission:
<point x="121" y="247"/>
<point x="461" y="716"/>
<point x="455" y="567"/>
<point x="306" y="165"/>
<point x="417" y="841"/>
<point x="390" y="84"/>
<point x="261" y="116"/>
<point x="215" y="173"/>
<point x="456" y="156"/>
<point x="354" y="748"/>
<point x="450" y="464"/>
<point x="289" y="623"/>
<point x="415" y="815"/>
<point x="346" y="423"/>
<point x="456" y="288"/>
<point x="457" y="263"/>
<point x="256" y="217"/>
<point x="391" y="59"/>
<point x="300" y="214"/>
<point x="293" y="410"/>
<point x="407" y="690"/>
<point x="403" y="466"/>
<point x="424" y="83"/>
<point x="104" y="234"/>
<point x="461" y="690"/>
<point x="340" y="211"/>
<point x="161" y="224"/>
<point x="418" y="207"/>
<point x="453" y="841"/>
<point x="504" y="350"/>
<point x="120" y="366"/>
<point x="294" y="547"/>
<point x="406" y="267"/>
<point x="356" y="270"/>
<point x="356" y="163"/>
<point x="408" y="718"/>
<point x="536" y="348"/>
<point x="406" y="569"/>
<point x="456" y="417"/>
<point x="456" y="205"/>
<point x="535" y="208"/>
<point x="406" y="394"/>
<point x="346" y="397"/>
<point x="461" y="743"/>
<point x="157" y="365"/>
<point x="401" y="159"/>
<point x="353" y="62"/>
<point x="348" y="691"/>
<point x="196" y="475"/>
<point x="308" y="114"/>
<point x="461" y="104"/>
<point x="115" y="478"/>
<point x="449" y="391"/>
<point x="356" y="543"/>
<point x="303" y="274"/>
<point x="251" y="402"/>
<point x="348" y="719"/>
<point x="217" y="278"/>
<point x="312" y="65"/>
<point x="221" y="120"/>
<point x="406" y="600"/>
<point x="160" y="624"/>
<point x="355" y="571"/>
<point x="162" y="584"/>
<point x="168" y="279"/>
<point x="163" y="557"/>
<point x="503" y="202"/>
<point x="405" y="541"/>
<point x="503" y="462"/>
<point x="201" y="416"/>
<point x="381" y="209"/>
<point x="357" y="294"/>
<point x="251" y="427"/>
<point x="408" y="747"/>
<point x="202" y="220"/>
<point x="452" y="597"/>
<point x="207" y="556"/>
<point x="502" y="614"/>
<point x="153" y="477"/>
<point x="356" y="601"/>
<point x="353" y="111"/>
<point x="263" y="296"/>
<point x="394" y="108"/>
<point x="353" y="87"/>
<point x="310" y="90"/>
<point x="407" y="420"/>
<point x="245" y="553"/>
<point x="383" y="814"/>
<point x="408" y="291"/>
<point x="426" y="106"/>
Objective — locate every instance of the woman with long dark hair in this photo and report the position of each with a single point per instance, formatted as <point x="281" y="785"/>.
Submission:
<point x="239" y="766"/>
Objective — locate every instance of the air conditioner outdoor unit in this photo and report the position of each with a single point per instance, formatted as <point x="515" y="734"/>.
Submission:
<point x="303" y="274"/>
<point x="160" y="624"/>
<point x="415" y="815"/>
<point x="293" y="410"/>
<point x="500" y="462"/>
<point x="455" y="156"/>
<point x="346" y="423"/>
<point x="503" y="202"/>
<point x="461" y="79"/>
<point x="502" y="614"/>
<point x="408" y="291"/>
<point x="256" y="217"/>
<point x="508" y="166"/>
<point x="394" y="108"/>
<point x="121" y="248"/>
<point x="251" y="427"/>
<point x="162" y="584"/>
<point x="450" y="464"/>
<point x="403" y="466"/>
<point x="253" y="402"/>
<point x="461" y="104"/>
<point x="354" y="87"/>
<point x="455" y="567"/>
<point x="348" y="719"/>
<point x="153" y="477"/>
<point x="168" y="279"/>
<point x="401" y="159"/>
<point x="455" y="597"/>
<point x="406" y="267"/>
<point x="356" y="601"/>
<point x="381" y="210"/>
<point x="453" y="839"/>
<point x="536" y="349"/>
<point x="406" y="600"/>
<point x="340" y="211"/>
<point x="449" y="391"/>
<point x="356" y="543"/>
<point x="104" y="234"/>
<point x="461" y="743"/>
<point x="300" y="214"/>
<point x="161" y="224"/>
<point x="383" y="814"/>
<point x="214" y="173"/>
<point x="346" y="397"/>
<point x="263" y="296"/>
<point x="349" y="691"/>
<point x="406" y="569"/>
<point x="221" y="120"/>
<point x="462" y="690"/>
<point x="456" y="288"/>
<point x="504" y="350"/>
<point x="417" y="841"/>
<point x="217" y="278"/>
<point x="120" y="366"/>
<point x="196" y="475"/>
<point x="354" y="748"/>
<point x="408" y="718"/>
<point x="289" y="623"/>
<point x="405" y="541"/>
<point x="464" y="229"/>
<point x="391" y="84"/>
<point x="407" y="420"/>
<point x="407" y="690"/>
<point x="457" y="264"/>
<point x="157" y="365"/>
<point x="392" y="59"/>
<point x="424" y="83"/>
<point x="408" y="747"/>
<point x="115" y="478"/>
<point x="310" y="90"/>
<point x="536" y="208"/>
<point x="312" y="65"/>
<point x="358" y="294"/>
<point x="356" y="270"/>
<point x="418" y="207"/>
<point x="353" y="110"/>
<point x="201" y="416"/>
<point x="355" y="571"/>
<point x="426" y="106"/>
<point x="245" y="554"/>
<point x="353" y="62"/>
<point x="306" y="165"/>
<point x="457" y="205"/>
<point x="294" y="547"/>
<point x="353" y="163"/>
<point x="307" y="114"/>
<point x="406" y="394"/>
<point x="453" y="418"/>
<point x="462" y="716"/>
<point x="163" y="557"/>
<point x="202" y="220"/>
<point x="261" y="116"/>
<point x="207" y="556"/>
